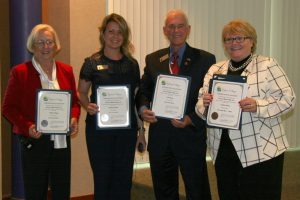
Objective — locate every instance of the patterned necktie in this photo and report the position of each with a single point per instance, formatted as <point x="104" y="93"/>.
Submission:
<point x="174" y="64"/>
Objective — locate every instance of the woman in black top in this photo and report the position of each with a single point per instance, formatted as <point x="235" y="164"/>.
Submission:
<point x="111" y="150"/>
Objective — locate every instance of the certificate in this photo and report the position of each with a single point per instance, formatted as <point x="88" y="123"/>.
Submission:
<point x="224" y="110"/>
<point x="53" y="111"/>
<point x="169" y="100"/>
<point x="114" y="105"/>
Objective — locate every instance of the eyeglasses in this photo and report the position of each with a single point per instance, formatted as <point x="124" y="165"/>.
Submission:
<point x="173" y="27"/>
<point x="42" y="43"/>
<point x="238" y="39"/>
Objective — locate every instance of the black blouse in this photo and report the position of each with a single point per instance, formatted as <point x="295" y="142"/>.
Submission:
<point x="102" y="71"/>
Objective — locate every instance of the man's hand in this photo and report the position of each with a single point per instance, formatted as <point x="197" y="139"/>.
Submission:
<point x="182" y="123"/>
<point x="148" y="116"/>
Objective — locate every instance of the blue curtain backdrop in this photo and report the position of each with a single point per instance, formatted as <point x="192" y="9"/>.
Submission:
<point x="24" y="15"/>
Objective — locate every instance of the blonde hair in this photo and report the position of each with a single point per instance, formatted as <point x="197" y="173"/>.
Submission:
<point x="127" y="47"/>
<point x="239" y="26"/>
<point x="36" y="31"/>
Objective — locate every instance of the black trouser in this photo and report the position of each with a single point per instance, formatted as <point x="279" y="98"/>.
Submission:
<point x="111" y="158"/>
<point x="164" y="170"/>
<point x="45" y="166"/>
<point x="261" y="181"/>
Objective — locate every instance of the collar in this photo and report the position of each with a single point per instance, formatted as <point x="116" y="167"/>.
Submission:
<point x="180" y="52"/>
<point x="52" y="84"/>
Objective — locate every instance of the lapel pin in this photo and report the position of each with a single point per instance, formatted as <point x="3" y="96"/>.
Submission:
<point x="187" y="61"/>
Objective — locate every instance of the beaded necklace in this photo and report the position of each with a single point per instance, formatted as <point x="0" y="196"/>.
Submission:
<point x="234" y="69"/>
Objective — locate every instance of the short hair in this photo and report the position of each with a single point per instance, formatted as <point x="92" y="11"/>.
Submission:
<point x="36" y="31"/>
<point x="127" y="47"/>
<point x="239" y="26"/>
<point x="176" y="12"/>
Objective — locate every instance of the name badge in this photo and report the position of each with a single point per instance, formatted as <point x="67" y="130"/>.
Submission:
<point x="102" y="67"/>
<point x="163" y="58"/>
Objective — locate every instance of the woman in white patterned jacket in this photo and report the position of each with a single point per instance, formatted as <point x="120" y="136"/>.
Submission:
<point x="249" y="161"/>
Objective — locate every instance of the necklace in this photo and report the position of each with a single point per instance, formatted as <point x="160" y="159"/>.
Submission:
<point x="47" y="71"/>
<point x="234" y="69"/>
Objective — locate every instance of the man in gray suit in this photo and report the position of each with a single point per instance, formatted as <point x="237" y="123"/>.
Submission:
<point x="176" y="143"/>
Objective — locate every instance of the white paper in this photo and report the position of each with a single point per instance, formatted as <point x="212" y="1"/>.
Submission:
<point x="224" y="111"/>
<point x="53" y="111"/>
<point x="170" y="96"/>
<point x="114" y="105"/>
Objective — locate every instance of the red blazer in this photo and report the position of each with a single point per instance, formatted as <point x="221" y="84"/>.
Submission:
<point x="20" y="97"/>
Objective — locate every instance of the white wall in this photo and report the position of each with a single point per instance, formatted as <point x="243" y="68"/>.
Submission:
<point x="277" y="23"/>
<point x="85" y="18"/>
<point x="285" y="47"/>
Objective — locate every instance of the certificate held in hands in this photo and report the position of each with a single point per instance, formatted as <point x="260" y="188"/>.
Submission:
<point x="114" y="105"/>
<point x="171" y="93"/>
<point x="224" y="111"/>
<point x="53" y="111"/>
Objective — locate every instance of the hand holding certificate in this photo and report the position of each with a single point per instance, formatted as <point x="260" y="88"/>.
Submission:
<point x="114" y="105"/>
<point x="170" y="96"/>
<point x="53" y="111"/>
<point x="224" y="111"/>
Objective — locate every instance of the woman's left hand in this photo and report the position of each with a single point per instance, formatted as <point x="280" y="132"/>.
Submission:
<point x="248" y="105"/>
<point x="74" y="126"/>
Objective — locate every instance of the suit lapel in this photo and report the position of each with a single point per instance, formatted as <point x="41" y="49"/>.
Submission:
<point x="186" y="61"/>
<point x="164" y="59"/>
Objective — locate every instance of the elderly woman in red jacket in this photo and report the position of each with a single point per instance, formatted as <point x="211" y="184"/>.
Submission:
<point x="49" y="158"/>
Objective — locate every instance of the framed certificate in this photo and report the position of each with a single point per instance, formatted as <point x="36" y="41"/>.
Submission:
<point x="171" y="93"/>
<point x="114" y="104"/>
<point x="53" y="110"/>
<point x="224" y="110"/>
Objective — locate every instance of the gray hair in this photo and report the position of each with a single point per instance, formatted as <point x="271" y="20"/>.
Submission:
<point x="176" y="12"/>
<point x="36" y="31"/>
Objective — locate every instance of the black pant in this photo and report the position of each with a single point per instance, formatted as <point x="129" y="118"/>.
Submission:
<point x="260" y="181"/>
<point x="45" y="166"/>
<point x="111" y="158"/>
<point x="164" y="170"/>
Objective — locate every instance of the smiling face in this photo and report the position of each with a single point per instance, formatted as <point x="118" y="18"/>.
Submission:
<point x="176" y="29"/>
<point x="239" y="39"/>
<point x="238" y="46"/>
<point x="113" y="37"/>
<point x="44" y="46"/>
